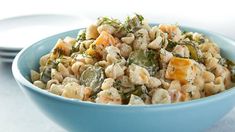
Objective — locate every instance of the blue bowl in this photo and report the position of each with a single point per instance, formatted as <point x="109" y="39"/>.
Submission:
<point x="75" y="115"/>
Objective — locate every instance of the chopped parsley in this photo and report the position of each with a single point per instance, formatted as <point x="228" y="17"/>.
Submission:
<point x="134" y="23"/>
<point x="81" y="35"/>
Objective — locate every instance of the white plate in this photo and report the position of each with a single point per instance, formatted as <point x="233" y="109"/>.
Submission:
<point x="19" y="32"/>
<point x="5" y="59"/>
<point x="10" y="54"/>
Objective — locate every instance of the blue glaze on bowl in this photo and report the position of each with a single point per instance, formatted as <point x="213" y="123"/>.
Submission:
<point x="75" y="115"/>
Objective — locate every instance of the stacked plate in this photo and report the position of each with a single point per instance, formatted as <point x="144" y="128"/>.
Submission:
<point x="8" y="54"/>
<point x="18" y="32"/>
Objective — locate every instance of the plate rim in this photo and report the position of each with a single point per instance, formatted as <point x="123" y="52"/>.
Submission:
<point x="8" y="54"/>
<point x="31" y="16"/>
<point x="3" y="59"/>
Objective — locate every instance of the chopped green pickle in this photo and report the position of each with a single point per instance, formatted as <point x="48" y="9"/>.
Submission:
<point x="92" y="77"/>
<point x="146" y="59"/>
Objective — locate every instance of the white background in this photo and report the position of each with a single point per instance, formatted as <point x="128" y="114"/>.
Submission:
<point x="16" y="112"/>
<point x="215" y="15"/>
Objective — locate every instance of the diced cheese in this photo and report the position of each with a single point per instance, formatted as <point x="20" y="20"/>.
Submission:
<point x="181" y="69"/>
<point x="105" y="39"/>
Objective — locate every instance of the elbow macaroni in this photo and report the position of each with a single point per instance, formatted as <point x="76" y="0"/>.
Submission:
<point x="133" y="63"/>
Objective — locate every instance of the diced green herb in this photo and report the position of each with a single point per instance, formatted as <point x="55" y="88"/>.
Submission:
<point x="134" y="23"/>
<point x="120" y="29"/>
<point x="140" y="17"/>
<point x="81" y="35"/>
<point x="117" y="84"/>
<point x="110" y="21"/>
<point x="171" y="44"/>
<point x="75" y="47"/>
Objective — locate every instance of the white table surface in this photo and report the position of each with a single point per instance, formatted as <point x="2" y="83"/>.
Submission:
<point x="17" y="114"/>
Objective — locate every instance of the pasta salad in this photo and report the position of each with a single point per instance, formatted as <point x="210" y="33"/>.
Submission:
<point x="134" y="63"/>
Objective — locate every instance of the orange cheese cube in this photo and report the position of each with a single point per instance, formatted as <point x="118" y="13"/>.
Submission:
<point x="181" y="69"/>
<point x="105" y="39"/>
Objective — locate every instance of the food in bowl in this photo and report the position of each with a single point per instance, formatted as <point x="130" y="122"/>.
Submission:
<point x="133" y="63"/>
